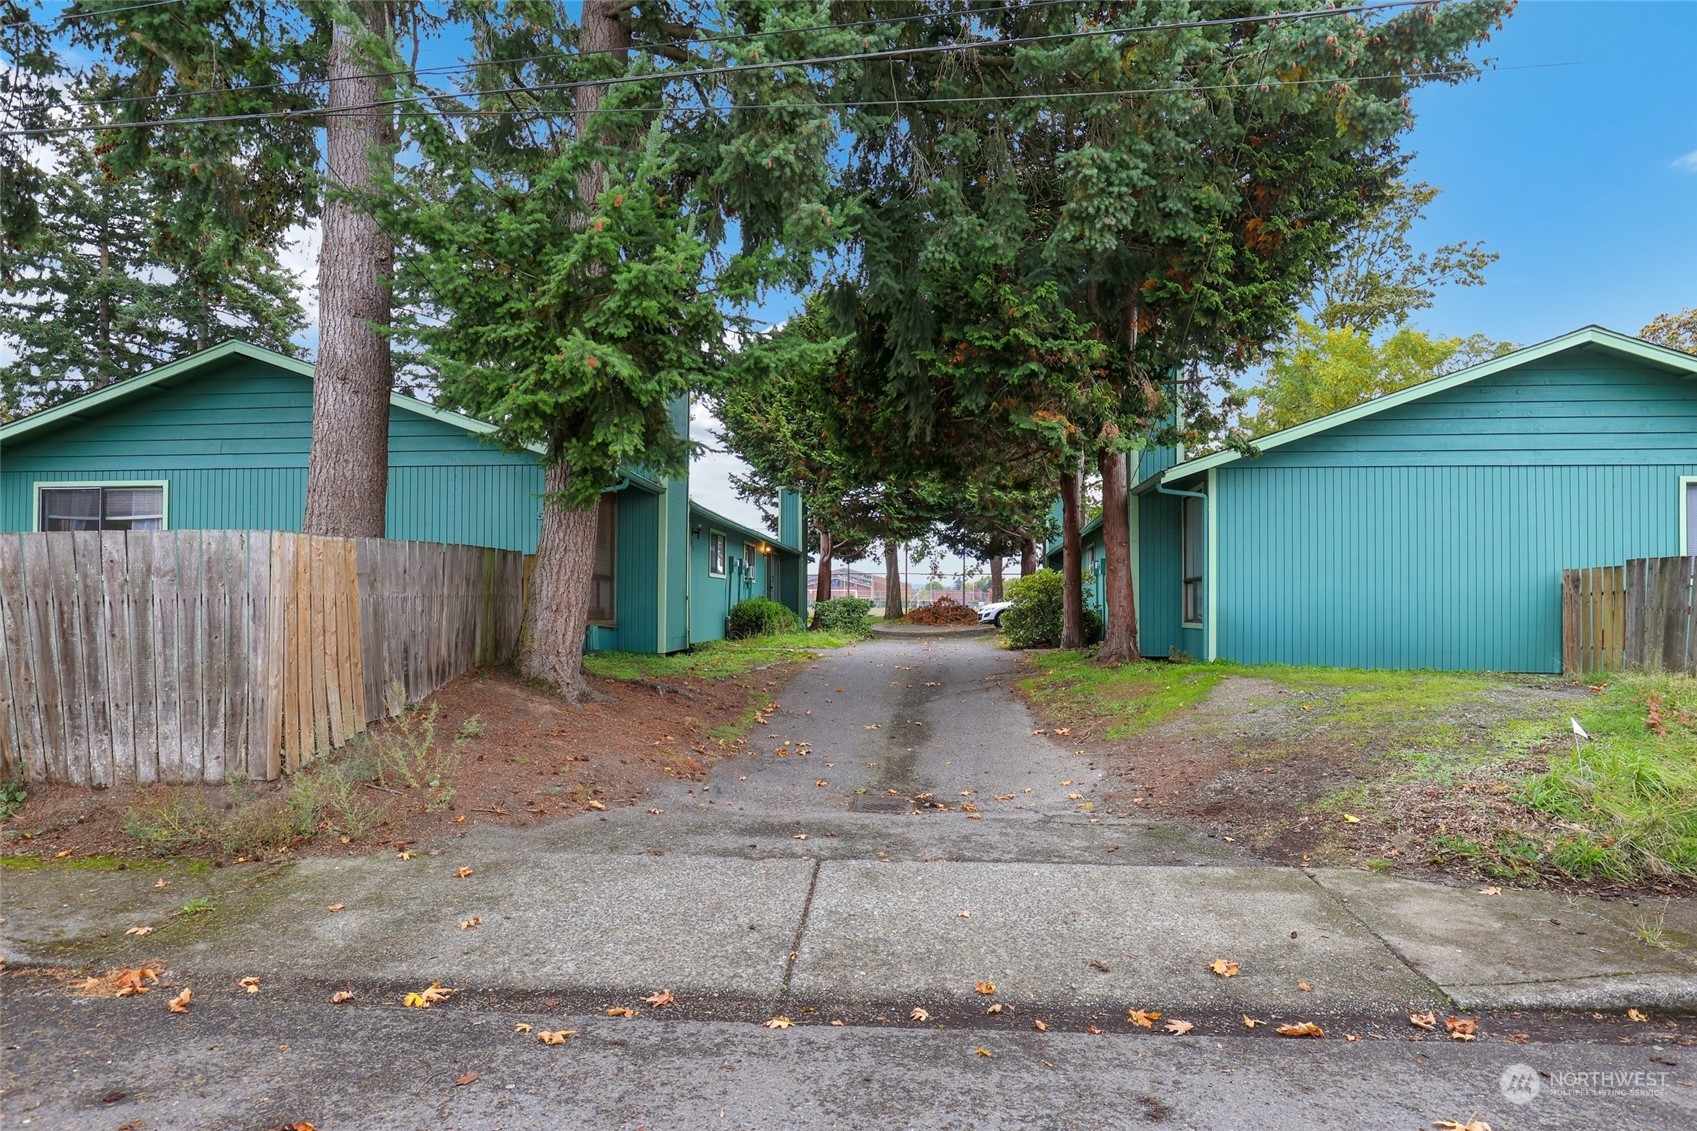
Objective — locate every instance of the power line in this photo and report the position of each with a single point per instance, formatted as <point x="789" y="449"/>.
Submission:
<point x="743" y="68"/>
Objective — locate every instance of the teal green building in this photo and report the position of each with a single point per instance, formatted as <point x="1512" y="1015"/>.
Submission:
<point x="219" y="440"/>
<point x="1428" y="528"/>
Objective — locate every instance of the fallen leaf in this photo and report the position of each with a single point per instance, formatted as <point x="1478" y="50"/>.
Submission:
<point x="341" y="996"/>
<point x="1075" y="796"/>
<point x="1304" y="1029"/>
<point x="1224" y="967"/>
<point x="158" y="883"/>
<point x="1142" y="1019"/>
<point x="1354" y="820"/>
<point x="621" y="1011"/>
<point x="1066" y="781"/>
<point x="1305" y="987"/>
<point x="919" y="1014"/>
<point x="522" y="1027"/>
<point x="1461" y="1028"/>
<point x="405" y="855"/>
<point x="335" y="907"/>
<point x="1093" y="1031"/>
<point x="468" y="1078"/>
<point x="251" y="985"/>
<point x="1426" y="1021"/>
<point x="799" y="836"/>
<point x="777" y="1023"/>
<point x="60" y="855"/>
<point x="963" y="913"/>
<point x="462" y="873"/>
<point x="139" y="931"/>
<point x="1179" y="1028"/>
<point x="996" y="1008"/>
<point x="1099" y="966"/>
<point x="180" y="1003"/>
<point x="1040" y="1026"/>
<point x="985" y="987"/>
<point x="870" y="726"/>
<point x="660" y="998"/>
<point x="1491" y="891"/>
<point x="1634" y="1015"/>
<point x="1470" y="1125"/>
<point x="820" y="782"/>
<point x="982" y="1051"/>
<point x="468" y="924"/>
<point x="556" y="1036"/>
<point x="427" y="997"/>
<point x="596" y="805"/>
<point x="655" y="812"/>
<point x="838" y="1024"/>
<point x="1250" y="1022"/>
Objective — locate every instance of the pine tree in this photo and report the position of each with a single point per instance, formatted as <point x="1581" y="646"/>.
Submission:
<point x="94" y="301"/>
<point x="565" y="227"/>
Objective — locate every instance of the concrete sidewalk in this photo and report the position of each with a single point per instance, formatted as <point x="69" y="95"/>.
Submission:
<point x="779" y="933"/>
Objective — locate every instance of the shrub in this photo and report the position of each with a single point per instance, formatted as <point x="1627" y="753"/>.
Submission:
<point x="1034" y="618"/>
<point x="843" y="614"/>
<point x="759" y="616"/>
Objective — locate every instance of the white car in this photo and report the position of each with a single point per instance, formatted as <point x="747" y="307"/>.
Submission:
<point x="992" y="613"/>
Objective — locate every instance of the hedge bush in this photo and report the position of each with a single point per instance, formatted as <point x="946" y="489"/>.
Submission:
<point x="843" y="614"/>
<point x="1034" y="618"/>
<point x="759" y="616"/>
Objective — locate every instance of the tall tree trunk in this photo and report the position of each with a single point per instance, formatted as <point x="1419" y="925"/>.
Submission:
<point x="893" y="600"/>
<point x="1072" y="562"/>
<point x="1119" y="640"/>
<point x="822" y="590"/>
<point x="347" y="479"/>
<point x="551" y="649"/>
<point x="556" y="610"/>
<point x="996" y="578"/>
<point x="1028" y="557"/>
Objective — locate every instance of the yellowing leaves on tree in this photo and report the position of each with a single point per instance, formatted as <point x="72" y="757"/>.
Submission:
<point x="1143" y="1019"/>
<point x="1224" y="967"/>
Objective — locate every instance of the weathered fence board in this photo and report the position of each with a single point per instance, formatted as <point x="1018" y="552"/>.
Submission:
<point x="193" y="656"/>
<point x="1640" y="617"/>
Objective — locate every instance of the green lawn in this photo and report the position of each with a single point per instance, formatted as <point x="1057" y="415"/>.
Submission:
<point x="1620" y="807"/>
<point x="718" y="659"/>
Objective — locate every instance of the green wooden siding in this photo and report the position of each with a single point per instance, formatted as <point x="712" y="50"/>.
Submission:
<point x="1160" y="571"/>
<point x="1433" y="534"/>
<point x="232" y="443"/>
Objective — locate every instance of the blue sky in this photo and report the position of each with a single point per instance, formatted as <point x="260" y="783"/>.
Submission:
<point x="1573" y="174"/>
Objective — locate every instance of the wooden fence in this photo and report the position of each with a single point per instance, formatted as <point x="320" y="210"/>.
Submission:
<point x="1641" y="616"/>
<point x="194" y="656"/>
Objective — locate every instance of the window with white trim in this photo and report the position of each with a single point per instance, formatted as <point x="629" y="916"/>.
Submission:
<point x="1690" y="546"/>
<point x="603" y="601"/>
<point x="119" y="506"/>
<point x="716" y="555"/>
<point x="1194" y="534"/>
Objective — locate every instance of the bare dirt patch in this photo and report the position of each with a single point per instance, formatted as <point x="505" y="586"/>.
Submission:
<point x="534" y="759"/>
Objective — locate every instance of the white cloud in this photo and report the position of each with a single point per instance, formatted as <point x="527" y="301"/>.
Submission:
<point x="1688" y="163"/>
<point x="299" y="258"/>
<point x="710" y="472"/>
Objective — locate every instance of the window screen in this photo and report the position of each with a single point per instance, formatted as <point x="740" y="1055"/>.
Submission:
<point x="1194" y="555"/>
<point x="102" y="508"/>
<point x="1691" y="518"/>
<point x="603" y="602"/>
<point x="716" y="555"/>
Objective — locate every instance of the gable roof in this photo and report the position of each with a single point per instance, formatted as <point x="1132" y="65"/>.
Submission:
<point x="747" y="533"/>
<point x="1624" y="345"/>
<point x="173" y="373"/>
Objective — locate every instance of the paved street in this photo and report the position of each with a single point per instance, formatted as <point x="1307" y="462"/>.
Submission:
<point x="806" y="885"/>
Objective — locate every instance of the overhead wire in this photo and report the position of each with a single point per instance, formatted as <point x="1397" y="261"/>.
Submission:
<point x="703" y="72"/>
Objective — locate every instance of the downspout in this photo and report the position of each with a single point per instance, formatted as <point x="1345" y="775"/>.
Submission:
<point x="1207" y="557"/>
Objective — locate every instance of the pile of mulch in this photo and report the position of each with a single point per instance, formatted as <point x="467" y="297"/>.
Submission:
<point x="944" y="611"/>
<point x="536" y="759"/>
